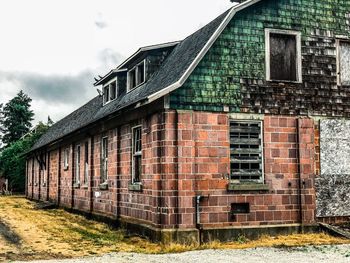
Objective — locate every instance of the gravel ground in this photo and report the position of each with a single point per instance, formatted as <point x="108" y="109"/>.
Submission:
<point x="329" y="254"/>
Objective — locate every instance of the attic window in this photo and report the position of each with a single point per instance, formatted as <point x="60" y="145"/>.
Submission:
<point x="110" y="91"/>
<point x="343" y="62"/>
<point x="283" y="55"/>
<point x="136" y="76"/>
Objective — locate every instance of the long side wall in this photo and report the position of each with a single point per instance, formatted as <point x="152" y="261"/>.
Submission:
<point x="185" y="154"/>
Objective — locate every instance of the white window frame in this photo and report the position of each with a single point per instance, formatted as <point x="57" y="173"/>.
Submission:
<point x="77" y="164"/>
<point x="109" y="87"/>
<point x="137" y="84"/>
<point x="297" y="35"/>
<point x="338" y="41"/>
<point x="86" y="162"/>
<point x="133" y="155"/>
<point x="104" y="160"/>
<point x="66" y="153"/>
<point x="262" y="179"/>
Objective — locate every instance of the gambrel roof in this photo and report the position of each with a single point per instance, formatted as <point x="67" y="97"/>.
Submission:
<point x="171" y="75"/>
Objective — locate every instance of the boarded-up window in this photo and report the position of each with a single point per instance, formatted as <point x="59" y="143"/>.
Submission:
<point x="344" y="63"/>
<point x="246" y="151"/>
<point x="283" y="57"/>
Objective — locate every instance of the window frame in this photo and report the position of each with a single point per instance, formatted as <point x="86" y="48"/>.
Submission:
<point x="86" y="163"/>
<point x="262" y="177"/>
<point x="104" y="160"/>
<point x="136" y="69"/>
<point x="108" y="86"/>
<point x="297" y="35"/>
<point x="77" y="164"/>
<point x="338" y="41"/>
<point x="135" y="154"/>
<point x="66" y="153"/>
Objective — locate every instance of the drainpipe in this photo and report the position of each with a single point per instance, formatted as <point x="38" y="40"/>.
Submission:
<point x="198" y="217"/>
<point x="299" y="177"/>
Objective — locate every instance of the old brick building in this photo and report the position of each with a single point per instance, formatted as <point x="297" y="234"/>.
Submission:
<point x="242" y="126"/>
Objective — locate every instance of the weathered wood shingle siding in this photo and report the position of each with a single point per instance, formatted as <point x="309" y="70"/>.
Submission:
<point x="233" y="71"/>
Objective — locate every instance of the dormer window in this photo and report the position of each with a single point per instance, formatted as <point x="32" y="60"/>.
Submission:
<point x="136" y="76"/>
<point x="110" y="91"/>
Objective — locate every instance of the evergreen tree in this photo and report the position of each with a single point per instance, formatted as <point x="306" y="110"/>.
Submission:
<point x="13" y="159"/>
<point x="1" y="119"/>
<point x="16" y="118"/>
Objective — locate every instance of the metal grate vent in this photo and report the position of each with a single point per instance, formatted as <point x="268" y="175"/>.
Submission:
<point x="246" y="150"/>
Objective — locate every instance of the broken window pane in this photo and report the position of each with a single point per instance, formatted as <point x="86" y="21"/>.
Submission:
<point x="283" y="57"/>
<point x="344" y="63"/>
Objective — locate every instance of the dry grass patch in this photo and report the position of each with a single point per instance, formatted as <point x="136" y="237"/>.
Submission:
<point x="59" y="234"/>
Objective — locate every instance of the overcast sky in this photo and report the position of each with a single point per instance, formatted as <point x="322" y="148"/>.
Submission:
<point x="52" y="49"/>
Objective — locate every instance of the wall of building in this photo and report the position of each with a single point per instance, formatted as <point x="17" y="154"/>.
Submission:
<point x="232" y="73"/>
<point x="186" y="154"/>
<point x="333" y="180"/>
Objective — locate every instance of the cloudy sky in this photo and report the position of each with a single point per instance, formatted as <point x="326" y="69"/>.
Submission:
<point x="52" y="49"/>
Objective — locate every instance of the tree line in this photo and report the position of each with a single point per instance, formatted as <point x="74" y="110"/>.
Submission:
<point x="17" y="136"/>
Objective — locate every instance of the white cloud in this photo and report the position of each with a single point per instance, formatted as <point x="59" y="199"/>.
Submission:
<point x="54" y="44"/>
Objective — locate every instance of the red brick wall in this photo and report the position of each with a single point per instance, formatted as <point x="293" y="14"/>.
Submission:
<point x="53" y="177"/>
<point x="185" y="154"/>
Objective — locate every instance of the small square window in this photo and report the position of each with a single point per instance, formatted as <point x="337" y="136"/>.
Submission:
<point x="136" y="76"/>
<point x="283" y="55"/>
<point x="110" y="92"/>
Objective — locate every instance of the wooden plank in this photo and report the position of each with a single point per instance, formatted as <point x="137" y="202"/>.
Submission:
<point x="239" y="129"/>
<point x="245" y="141"/>
<point x="245" y="151"/>
<point x="235" y="160"/>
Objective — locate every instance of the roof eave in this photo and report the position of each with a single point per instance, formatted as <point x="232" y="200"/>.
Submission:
<point x="102" y="80"/>
<point x="147" y="48"/>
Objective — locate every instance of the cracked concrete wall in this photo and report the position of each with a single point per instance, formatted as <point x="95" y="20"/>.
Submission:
<point x="333" y="184"/>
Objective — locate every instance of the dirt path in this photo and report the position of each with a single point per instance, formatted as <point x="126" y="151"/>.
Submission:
<point x="320" y="254"/>
<point x="27" y="233"/>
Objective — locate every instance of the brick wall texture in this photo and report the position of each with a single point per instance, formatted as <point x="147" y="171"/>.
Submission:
<point x="185" y="154"/>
